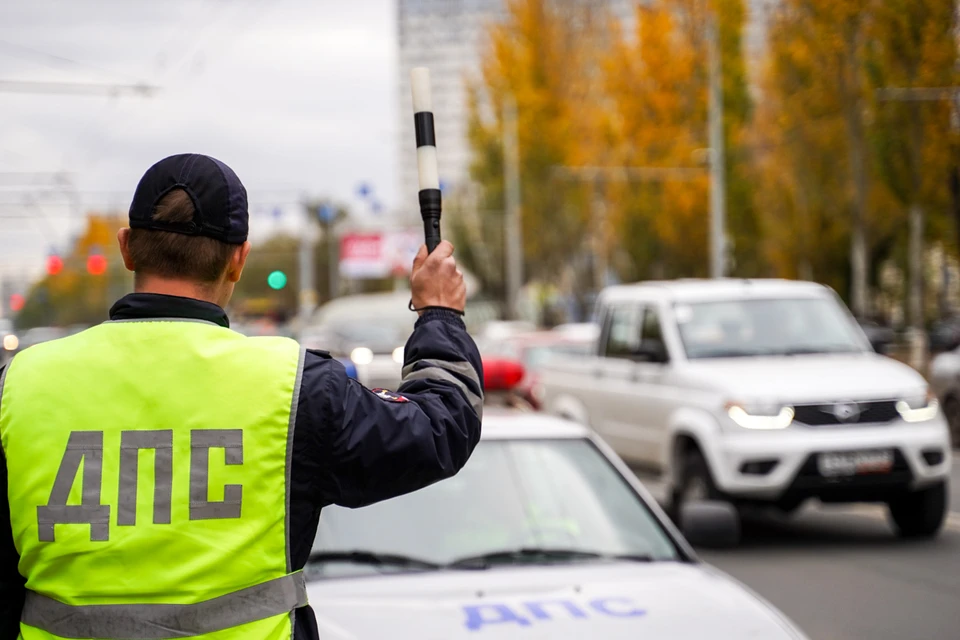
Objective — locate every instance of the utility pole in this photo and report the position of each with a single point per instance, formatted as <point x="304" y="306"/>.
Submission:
<point x="513" y="229"/>
<point x="333" y="263"/>
<point x="598" y="211"/>
<point x="718" y="180"/>
<point x="597" y="177"/>
<point x="307" y="299"/>
<point x="76" y="88"/>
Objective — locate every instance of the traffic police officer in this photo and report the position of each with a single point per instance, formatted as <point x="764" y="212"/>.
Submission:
<point x="163" y="475"/>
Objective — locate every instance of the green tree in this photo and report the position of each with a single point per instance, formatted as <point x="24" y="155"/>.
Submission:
<point x="914" y="142"/>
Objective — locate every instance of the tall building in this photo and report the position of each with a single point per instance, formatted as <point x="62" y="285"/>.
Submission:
<point x="447" y="36"/>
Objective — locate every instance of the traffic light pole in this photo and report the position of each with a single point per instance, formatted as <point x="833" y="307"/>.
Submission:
<point x="307" y="299"/>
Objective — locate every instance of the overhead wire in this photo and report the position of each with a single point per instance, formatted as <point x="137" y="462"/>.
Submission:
<point x="53" y="60"/>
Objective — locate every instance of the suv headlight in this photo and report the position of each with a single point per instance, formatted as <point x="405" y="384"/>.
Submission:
<point x="755" y="416"/>
<point x="919" y="409"/>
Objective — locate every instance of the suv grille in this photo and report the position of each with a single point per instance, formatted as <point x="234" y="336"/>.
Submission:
<point x="819" y="415"/>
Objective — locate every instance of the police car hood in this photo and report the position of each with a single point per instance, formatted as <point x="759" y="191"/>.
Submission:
<point x="664" y="600"/>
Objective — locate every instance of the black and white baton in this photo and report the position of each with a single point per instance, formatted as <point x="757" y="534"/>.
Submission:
<point x="426" y="156"/>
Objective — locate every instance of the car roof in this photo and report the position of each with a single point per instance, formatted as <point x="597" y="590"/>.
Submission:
<point x="701" y="290"/>
<point x="545" y="338"/>
<point x="507" y="424"/>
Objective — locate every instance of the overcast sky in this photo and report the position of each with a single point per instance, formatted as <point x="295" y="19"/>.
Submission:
<point x="298" y="96"/>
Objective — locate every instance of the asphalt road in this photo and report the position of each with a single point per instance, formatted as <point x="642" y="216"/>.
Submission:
<point x="840" y="573"/>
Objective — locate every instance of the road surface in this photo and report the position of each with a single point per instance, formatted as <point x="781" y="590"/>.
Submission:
<point x="841" y="574"/>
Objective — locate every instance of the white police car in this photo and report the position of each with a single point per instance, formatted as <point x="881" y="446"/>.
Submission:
<point x="544" y="534"/>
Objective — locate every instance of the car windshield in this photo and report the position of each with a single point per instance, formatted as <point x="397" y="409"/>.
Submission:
<point x="772" y="326"/>
<point x="512" y="495"/>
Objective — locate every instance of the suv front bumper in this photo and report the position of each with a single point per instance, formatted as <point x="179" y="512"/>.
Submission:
<point x="796" y="476"/>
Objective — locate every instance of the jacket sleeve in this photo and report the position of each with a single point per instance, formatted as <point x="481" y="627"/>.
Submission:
<point x="12" y="590"/>
<point x="371" y="445"/>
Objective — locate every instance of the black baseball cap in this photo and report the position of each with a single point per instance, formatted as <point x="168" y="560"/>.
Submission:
<point x="219" y="198"/>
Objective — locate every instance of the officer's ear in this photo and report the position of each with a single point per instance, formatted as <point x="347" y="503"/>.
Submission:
<point x="123" y="237"/>
<point x="237" y="261"/>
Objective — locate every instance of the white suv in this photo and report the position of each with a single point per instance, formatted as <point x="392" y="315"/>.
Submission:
<point x="760" y="392"/>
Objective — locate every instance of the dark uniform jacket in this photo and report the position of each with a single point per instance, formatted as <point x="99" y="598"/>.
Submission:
<point x="351" y="446"/>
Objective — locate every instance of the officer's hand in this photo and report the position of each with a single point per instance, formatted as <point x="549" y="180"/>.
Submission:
<point x="435" y="280"/>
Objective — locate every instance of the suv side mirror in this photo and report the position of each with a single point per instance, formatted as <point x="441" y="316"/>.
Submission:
<point x="710" y="524"/>
<point x="651" y="351"/>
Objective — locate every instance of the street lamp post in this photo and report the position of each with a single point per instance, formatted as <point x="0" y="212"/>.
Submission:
<point x="513" y="236"/>
<point x="718" y="190"/>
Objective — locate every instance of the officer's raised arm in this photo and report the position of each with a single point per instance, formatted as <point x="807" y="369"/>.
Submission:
<point x="382" y="444"/>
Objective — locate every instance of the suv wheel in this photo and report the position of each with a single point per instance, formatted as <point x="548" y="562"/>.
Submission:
<point x="694" y="483"/>
<point x="920" y="514"/>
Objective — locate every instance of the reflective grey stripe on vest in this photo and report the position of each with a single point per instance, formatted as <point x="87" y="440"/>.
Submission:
<point x="156" y="621"/>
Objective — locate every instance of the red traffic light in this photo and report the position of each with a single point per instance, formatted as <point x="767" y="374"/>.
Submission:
<point x="16" y="302"/>
<point x="54" y="265"/>
<point x="96" y="264"/>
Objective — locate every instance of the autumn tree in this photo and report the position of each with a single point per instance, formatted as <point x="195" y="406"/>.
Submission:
<point x="799" y="151"/>
<point x="543" y="57"/>
<point x="914" y="141"/>
<point x="657" y="83"/>
<point x="837" y="168"/>
<point x="74" y="296"/>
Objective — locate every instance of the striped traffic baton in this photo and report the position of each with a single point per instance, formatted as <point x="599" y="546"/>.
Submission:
<point x="426" y="156"/>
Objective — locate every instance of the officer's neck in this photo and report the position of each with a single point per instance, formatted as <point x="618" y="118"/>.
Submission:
<point x="183" y="288"/>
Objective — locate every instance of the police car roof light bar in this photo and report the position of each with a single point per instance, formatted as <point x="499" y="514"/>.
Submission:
<point x="502" y="374"/>
<point x="426" y="156"/>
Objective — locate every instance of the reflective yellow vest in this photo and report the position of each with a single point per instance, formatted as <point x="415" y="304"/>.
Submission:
<point x="148" y="466"/>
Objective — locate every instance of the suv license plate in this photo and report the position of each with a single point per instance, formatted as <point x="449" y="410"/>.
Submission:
<point x="854" y="463"/>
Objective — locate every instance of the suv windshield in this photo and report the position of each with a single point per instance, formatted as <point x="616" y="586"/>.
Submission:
<point x="512" y="496"/>
<point x="739" y="328"/>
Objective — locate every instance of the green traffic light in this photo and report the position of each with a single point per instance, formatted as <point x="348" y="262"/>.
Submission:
<point x="277" y="280"/>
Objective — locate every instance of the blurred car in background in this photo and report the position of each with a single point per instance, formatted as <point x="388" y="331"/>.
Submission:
<point x="761" y="392"/>
<point x="945" y="381"/>
<point x="36" y="335"/>
<point x="536" y="349"/>
<point x="495" y="331"/>
<point x="881" y="337"/>
<point x="367" y="330"/>
<point x="585" y="331"/>
<point x="546" y="532"/>
<point x="944" y="334"/>
<point x="260" y="327"/>
<point x="9" y="342"/>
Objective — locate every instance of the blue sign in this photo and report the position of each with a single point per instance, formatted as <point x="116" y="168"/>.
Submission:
<point x="277" y="213"/>
<point x="376" y="207"/>
<point x="527" y="613"/>
<point x="326" y="213"/>
<point x="364" y="190"/>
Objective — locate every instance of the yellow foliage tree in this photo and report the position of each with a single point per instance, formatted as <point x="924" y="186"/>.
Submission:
<point x="74" y="296"/>
<point x="657" y="81"/>
<point x="544" y="57"/>
<point x="832" y="162"/>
